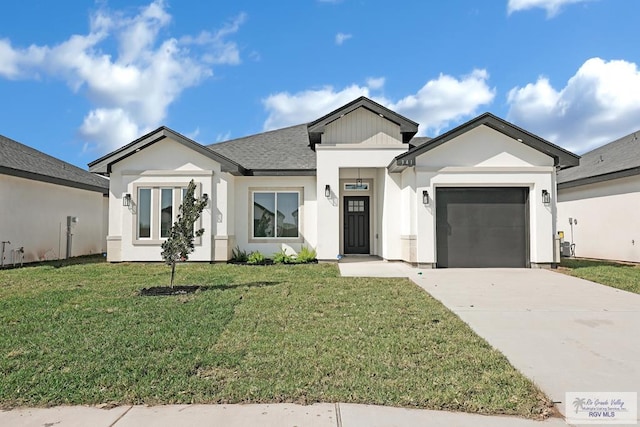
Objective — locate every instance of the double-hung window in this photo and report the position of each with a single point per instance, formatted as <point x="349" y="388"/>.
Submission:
<point x="276" y="214"/>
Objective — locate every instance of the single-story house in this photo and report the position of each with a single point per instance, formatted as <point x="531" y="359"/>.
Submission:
<point x="356" y="181"/>
<point x="49" y="209"/>
<point x="602" y="199"/>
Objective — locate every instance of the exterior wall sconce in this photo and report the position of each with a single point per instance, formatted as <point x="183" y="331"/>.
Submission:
<point x="359" y="182"/>
<point x="546" y="197"/>
<point x="425" y="197"/>
<point x="327" y="191"/>
<point x="126" y="200"/>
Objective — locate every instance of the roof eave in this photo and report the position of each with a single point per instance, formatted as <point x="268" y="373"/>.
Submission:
<point x="281" y="172"/>
<point x="599" y="178"/>
<point x="562" y="157"/>
<point x="103" y="165"/>
<point x="53" y="180"/>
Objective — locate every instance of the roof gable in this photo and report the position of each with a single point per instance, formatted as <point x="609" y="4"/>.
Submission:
<point x="25" y="162"/>
<point x="408" y="128"/>
<point x="616" y="159"/>
<point x="562" y="157"/>
<point x="103" y="165"/>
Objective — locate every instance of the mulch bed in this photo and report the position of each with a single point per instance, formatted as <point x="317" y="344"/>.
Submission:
<point x="168" y="290"/>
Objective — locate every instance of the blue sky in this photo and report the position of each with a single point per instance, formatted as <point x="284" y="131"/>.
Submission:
<point x="81" y="78"/>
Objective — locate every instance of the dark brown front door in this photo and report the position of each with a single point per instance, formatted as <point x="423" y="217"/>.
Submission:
<point x="356" y="225"/>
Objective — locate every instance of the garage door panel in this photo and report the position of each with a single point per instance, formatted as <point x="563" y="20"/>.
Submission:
<point x="482" y="227"/>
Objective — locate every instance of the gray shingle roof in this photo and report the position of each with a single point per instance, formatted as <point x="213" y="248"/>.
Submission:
<point x="282" y="149"/>
<point x="20" y="160"/>
<point x="613" y="160"/>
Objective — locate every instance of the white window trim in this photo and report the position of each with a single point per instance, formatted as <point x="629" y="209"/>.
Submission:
<point x="156" y="187"/>
<point x="300" y="238"/>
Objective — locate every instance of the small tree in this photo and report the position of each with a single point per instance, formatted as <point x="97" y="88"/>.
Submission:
<point x="182" y="234"/>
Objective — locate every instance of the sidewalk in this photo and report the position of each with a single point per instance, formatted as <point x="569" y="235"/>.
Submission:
<point x="267" y="415"/>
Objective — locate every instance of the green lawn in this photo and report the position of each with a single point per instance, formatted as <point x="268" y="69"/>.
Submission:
<point x="81" y="334"/>
<point x="614" y="274"/>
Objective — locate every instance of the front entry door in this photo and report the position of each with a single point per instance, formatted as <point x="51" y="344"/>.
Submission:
<point x="356" y="225"/>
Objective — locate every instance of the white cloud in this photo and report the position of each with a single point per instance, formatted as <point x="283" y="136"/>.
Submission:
<point x="375" y="83"/>
<point x="551" y="6"/>
<point x="194" y="134"/>
<point x="598" y="104"/>
<point x="342" y="37"/>
<point x="110" y="127"/>
<point x="222" y="51"/>
<point x="287" y="109"/>
<point x="131" y="89"/>
<point x="223" y="136"/>
<point x="437" y="104"/>
<point x="445" y="100"/>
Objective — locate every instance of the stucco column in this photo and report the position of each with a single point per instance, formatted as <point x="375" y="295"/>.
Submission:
<point x="328" y="210"/>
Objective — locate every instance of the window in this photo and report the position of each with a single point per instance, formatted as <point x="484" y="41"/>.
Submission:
<point x="275" y="214"/>
<point x="354" y="186"/>
<point x="156" y="209"/>
<point x="144" y="213"/>
<point x="355" y="206"/>
<point x="166" y="211"/>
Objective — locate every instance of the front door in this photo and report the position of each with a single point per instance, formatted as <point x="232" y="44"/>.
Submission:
<point x="356" y="225"/>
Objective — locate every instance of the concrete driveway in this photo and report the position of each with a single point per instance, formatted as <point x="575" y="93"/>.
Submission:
<point x="564" y="333"/>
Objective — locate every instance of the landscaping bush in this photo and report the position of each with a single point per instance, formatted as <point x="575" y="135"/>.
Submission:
<point x="306" y="255"/>
<point x="238" y="255"/>
<point x="256" y="258"/>
<point x="283" y="258"/>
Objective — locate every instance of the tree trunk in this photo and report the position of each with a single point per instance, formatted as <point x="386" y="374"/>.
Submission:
<point x="173" y="272"/>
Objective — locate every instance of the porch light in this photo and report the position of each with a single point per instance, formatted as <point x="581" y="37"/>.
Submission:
<point x="359" y="182"/>
<point x="546" y="197"/>
<point x="425" y="197"/>
<point x="327" y="191"/>
<point x="126" y="200"/>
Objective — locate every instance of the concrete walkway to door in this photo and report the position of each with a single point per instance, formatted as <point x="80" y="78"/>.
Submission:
<point x="566" y="334"/>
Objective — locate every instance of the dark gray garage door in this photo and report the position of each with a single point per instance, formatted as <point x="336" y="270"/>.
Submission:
<point x="482" y="227"/>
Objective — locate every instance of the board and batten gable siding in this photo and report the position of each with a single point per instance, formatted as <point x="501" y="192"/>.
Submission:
<point x="362" y="126"/>
<point x="607" y="218"/>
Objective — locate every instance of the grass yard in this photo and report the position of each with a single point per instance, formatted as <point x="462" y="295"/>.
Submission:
<point x="617" y="275"/>
<point x="81" y="334"/>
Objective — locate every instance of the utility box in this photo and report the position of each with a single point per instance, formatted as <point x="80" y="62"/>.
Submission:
<point x="567" y="249"/>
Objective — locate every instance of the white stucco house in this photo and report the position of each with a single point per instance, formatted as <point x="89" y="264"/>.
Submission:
<point x="49" y="209"/>
<point x="355" y="181"/>
<point x="602" y="198"/>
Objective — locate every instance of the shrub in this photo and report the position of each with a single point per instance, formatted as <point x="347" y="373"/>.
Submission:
<point x="238" y="255"/>
<point x="256" y="258"/>
<point x="306" y="255"/>
<point x="282" y="257"/>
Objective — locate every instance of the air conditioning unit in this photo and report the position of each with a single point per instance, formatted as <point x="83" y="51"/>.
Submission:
<point x="567" y="249"/>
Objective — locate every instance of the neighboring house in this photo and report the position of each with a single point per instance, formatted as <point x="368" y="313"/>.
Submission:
<point x="39" y="198"/>
<point x="602" y="197"/>
<point x="355" y="181"/>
